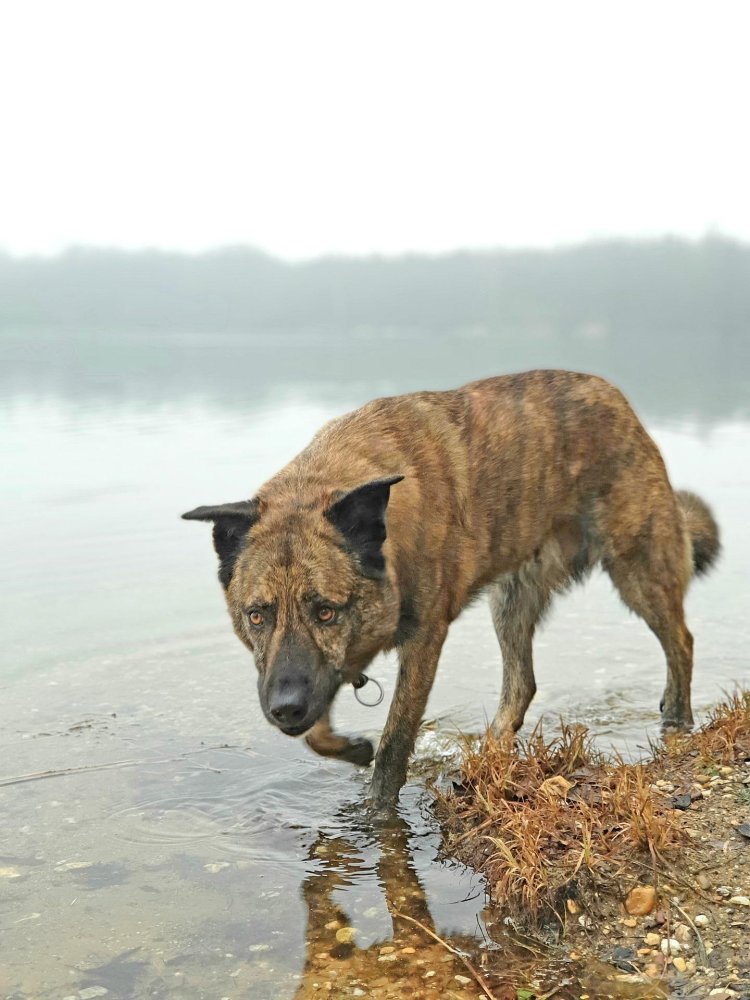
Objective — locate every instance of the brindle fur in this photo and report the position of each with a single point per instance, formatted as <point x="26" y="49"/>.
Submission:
<point x="517" y="485"/>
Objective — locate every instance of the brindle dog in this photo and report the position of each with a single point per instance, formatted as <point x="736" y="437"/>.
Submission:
<point x="396" y="515"/>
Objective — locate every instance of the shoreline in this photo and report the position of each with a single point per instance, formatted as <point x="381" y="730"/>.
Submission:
<point x="637" y="871"/>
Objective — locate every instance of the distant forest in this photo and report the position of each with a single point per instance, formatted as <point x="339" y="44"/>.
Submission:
<point x="670" y="288"/>
<point x="667" y="320"/>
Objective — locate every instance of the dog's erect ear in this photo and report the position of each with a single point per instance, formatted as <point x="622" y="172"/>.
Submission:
<point x="360" y="517"/>
<point x="232" y="521"/>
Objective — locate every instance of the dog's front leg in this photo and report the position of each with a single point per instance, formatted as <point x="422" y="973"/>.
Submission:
<point x="418" y="663"/>
<point x="324" y="741"/>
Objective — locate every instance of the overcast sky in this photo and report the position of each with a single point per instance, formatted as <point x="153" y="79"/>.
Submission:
<point x="370" y="125"/>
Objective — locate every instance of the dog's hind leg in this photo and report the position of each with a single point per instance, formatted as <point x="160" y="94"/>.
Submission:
<point x="516" y="609"/>
<point x="518" y="602"/>
<point x="648" y="555"/>
<point x="650" y="581"/>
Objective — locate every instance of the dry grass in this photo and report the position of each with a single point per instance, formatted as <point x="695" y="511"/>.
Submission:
<point x="726" y="735"/>
<point x="724" y="738"/>
<point x="547" y="821"/>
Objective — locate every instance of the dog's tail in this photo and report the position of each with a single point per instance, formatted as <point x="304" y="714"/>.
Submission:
<point x="702" y="530"/>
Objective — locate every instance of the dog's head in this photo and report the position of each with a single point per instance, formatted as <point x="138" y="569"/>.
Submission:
<point x="309" y="593"/>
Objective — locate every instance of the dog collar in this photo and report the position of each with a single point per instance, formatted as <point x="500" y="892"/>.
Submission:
<point x="359" y="683"/>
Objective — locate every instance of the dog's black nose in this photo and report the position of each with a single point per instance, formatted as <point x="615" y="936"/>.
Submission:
<point x="288" y="708"/>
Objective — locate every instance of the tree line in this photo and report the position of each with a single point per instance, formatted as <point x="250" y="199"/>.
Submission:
<point x="674" y="289"/>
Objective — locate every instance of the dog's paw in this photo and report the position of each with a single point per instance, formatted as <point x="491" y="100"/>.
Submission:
<point x="676" y="724"/>
<point x="674" y="717"/>
<point x="359" y="751"/>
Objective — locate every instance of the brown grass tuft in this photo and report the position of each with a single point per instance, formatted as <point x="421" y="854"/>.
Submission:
<point x="545" y="818"/>
<point x="726" y="735"/>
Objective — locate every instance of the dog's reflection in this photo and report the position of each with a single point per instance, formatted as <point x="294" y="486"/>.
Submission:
<point x="408" y="963"/>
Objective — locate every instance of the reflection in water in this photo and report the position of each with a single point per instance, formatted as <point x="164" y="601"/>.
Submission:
<point x="407" y="962"/>
<point x="663" y="377"/>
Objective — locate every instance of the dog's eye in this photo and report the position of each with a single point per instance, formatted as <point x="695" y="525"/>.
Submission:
<point x="256" y="618"/>
<point x="326" y="615"/>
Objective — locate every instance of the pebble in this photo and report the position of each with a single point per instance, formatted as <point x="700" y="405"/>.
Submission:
<point x="683" y="934"/>
<point x="681" y="802"/>
<point x="387" y="958"/>
<point x="623" y="957"/>
<point x="641" y="900"/>
<point x="652" y="940"/>
<point x="93" y="991"/>
<point x="680" y="964"/>
<point x="701" y="920"/>
<point x="670" y="946"/>
<point x="464" y="980"/>
<point x="740" y="901"/>
<point x="345" y="934"/>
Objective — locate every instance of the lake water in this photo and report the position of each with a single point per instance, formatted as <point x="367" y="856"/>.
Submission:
<point x="183" y="848"/>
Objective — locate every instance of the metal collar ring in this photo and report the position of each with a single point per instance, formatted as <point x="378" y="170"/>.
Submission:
<point x="359" y="683"/>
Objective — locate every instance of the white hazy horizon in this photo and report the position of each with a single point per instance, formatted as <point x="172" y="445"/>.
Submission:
<point x="359" y="127"/>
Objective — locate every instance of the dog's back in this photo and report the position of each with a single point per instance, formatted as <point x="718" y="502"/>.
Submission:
<point x="492" y="470"/>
